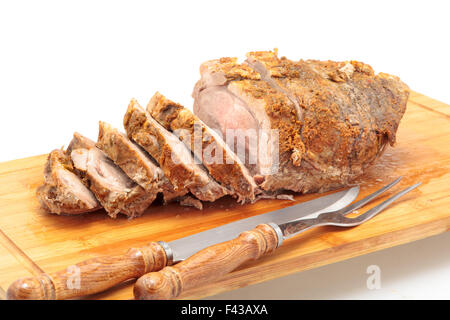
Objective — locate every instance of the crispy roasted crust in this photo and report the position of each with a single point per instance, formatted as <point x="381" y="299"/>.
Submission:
<point x="56" y="195"/>
<point x="171" y="154"/>
<point x="350" y="113"/>
<point x="223" y="70"/>
<point x="201" y="139"/>
<point x="334" y="118"/>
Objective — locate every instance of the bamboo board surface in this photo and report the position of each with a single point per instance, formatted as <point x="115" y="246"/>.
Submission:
<point x="33" y="241"/>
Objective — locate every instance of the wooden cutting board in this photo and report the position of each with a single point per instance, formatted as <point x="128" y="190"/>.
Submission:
<point x="33" y="241"/>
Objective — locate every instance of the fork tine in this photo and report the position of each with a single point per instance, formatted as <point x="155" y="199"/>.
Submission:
<point x="375" y="210"/>
<point x="333" y="218"/>
<point x="367" y="199"/>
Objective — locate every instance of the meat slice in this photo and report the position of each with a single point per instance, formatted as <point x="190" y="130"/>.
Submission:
<point x="173" y="157"/>
<point x="334" y="119"/>
<point x="77" y="145"/>
<point x="79" y="142"/>
<point x="63" y="192"/>
<point x="135" y="162"/>
<point x="222" y="163"/>
<point x="113" y="188"/>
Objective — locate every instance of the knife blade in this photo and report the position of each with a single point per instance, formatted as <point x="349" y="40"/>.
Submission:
<point x="185" y="247"/>
<point x="98" y="274"/>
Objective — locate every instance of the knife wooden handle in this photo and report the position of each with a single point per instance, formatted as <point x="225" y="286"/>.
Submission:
<point x="93" y="275"/>
<point x="208" y="264"/>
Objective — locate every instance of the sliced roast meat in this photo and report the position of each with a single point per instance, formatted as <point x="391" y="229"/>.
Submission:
<point x="222" y="163"/>
<point x="77" y="145"/>
<point x="134" y="161"/>
<point x="259" y="127"/>
<point x="113" y="188"/>
<point x="63" y="192"/>
<point x="221" y="71"/>
<point x="79" y="142"/>
<point x="333" y="118"/>
<point x="173" y="157"/>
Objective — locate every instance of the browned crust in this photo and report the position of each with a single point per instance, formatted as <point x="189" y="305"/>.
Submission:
<point x="79" y="142"/>
<point x="330" y="144"/>
<point x="281" y="114"/>
<point x="323" y="87"/>
<point x="229" y="69"/>
<point x="233" y="176"/>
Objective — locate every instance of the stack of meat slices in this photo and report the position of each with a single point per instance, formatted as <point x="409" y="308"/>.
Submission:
<point x="332" y="121"/>
<point x="124" y="173"/>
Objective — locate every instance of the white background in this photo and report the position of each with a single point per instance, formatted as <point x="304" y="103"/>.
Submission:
<point x="66" y="65"/>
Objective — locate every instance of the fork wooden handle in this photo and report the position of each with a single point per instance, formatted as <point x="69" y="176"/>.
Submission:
<point x="91" y="276"/>
<point x="208" y="264"/>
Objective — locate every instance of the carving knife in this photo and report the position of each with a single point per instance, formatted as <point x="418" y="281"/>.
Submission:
<point x="98" y="274"/>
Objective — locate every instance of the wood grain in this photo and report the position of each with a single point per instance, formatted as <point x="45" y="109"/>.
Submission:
<point x="55" y="242"/>
<point x="207" y="265"/>
<point x="90" y="276"/>
<point x="13" y="264"/>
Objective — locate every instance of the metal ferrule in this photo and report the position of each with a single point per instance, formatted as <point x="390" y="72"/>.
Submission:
<point x="168" y="250"/>
<point x="278" y="232"/>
